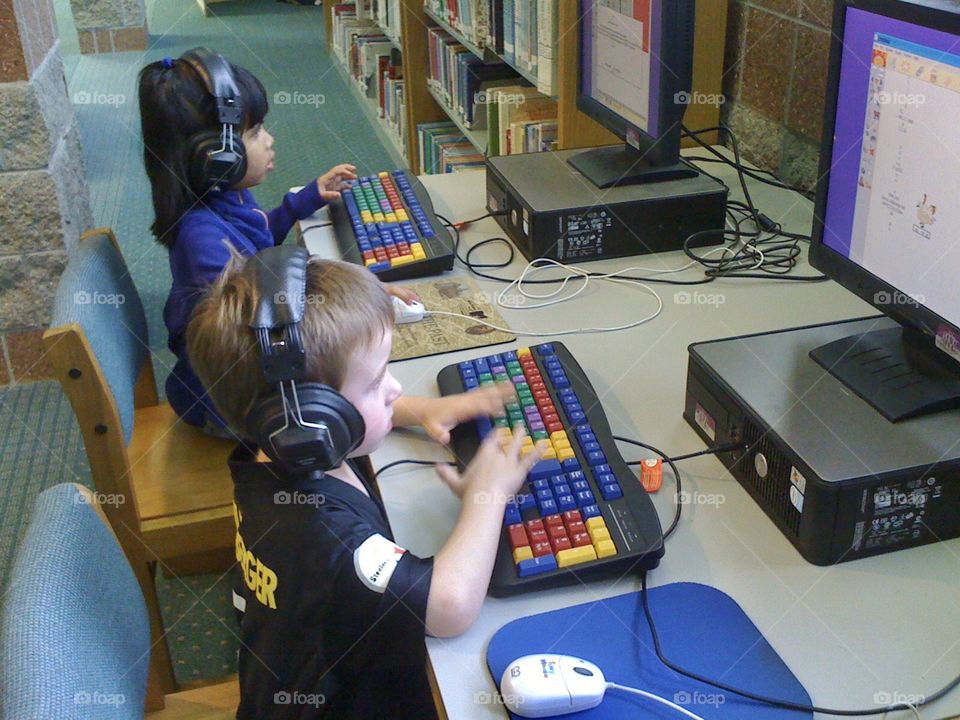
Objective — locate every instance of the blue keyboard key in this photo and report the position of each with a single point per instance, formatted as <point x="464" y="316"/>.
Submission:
<point x="559" y="490"/>
<point x="511" y="516"/>
<point x="525" y="501"/>
<point x="573" y="407"/>
<point x="470" y="383"/>
<point x="587" y="437"/>
<point x="495" y="359"/>
<point x="465" y="365"/>
<point x="585" y="498"/>
<point x="548" y="507"/>
<point x="604" y="478"/>
<point x="484" y="426"/>
<point x="570" y="464"/>
<point x="576" y="475"/>
<point x="561" y="382"/>
<point x="543" y="495"/>
<point x="557" y="480"/>
<point x="468" y="371"/>
<point x="589" y="511"/>
<point x="580" y="485"/>
<point x="589" y="447"/>
<point x="537" y="565"/>
<point x="547" y="349"/>
<point x="602" y="469"/>
<point x="544" y="469"/>
<point x="611" y="492"/>
<point x="577" y="416"/>
<point x="541" y="484"/>
<point x="377" y="267"/>
<point x="596" y="458"/>
<point x="509" y="356"/>
<point x="566" y="502"/>
<point x="582" y="429"/>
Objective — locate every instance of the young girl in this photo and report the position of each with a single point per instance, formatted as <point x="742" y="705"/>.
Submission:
<point x="195" y="219"/>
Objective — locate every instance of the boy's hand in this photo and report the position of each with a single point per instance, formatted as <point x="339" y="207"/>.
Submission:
<point x="446" y="413"/>
<point x="334" y="180"/>
<point x="405" y="294"/>
<point x="496" y="468"/>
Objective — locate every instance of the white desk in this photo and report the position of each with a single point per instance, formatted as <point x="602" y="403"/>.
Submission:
<point x="889" y="624"/>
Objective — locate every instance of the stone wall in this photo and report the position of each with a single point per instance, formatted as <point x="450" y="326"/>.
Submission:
<point x="775" y="72"/>
<point x="110" y="25"/>
<point x="44" y="201"/>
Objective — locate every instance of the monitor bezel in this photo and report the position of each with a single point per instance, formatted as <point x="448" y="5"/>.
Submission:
<point x="664" y="149"/>
<point x="942" y="15"/>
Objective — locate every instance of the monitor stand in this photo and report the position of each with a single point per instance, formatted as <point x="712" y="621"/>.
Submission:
<point x="899" y="371"/>
<point x="615" y="165"/>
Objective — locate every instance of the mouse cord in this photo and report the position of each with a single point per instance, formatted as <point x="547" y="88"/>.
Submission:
<point x="651" y="696"/>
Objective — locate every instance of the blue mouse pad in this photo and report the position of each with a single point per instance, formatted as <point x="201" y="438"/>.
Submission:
<point x="701" y="630"/>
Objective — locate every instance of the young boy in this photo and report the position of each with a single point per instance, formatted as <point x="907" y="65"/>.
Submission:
<point x="334" y="612"/>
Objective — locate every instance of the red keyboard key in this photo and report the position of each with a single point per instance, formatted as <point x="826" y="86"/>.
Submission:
<point x="550" y="418"/>
<point x="518" y="536"/>
<point x="537" y="536"/>
<point x="556" y="531"/>
<point x="575" y="528"/>
<point x="535" y="524"/>
<point x="534" y="386"/>
<point x="572" y="516"/>
<point x="562" y="543"/>
<point x="553" y="520"/>
<point x="541" y="548"/>
<point x="579" y="539"/>
<point x="552" y="427"/>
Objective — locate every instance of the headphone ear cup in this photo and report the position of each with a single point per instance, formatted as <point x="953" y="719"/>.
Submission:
<point x="333" y="429"/>
<point x="211" y="165"/>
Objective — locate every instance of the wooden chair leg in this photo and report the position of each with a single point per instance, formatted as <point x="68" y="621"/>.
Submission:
<point x="160" y="680"/>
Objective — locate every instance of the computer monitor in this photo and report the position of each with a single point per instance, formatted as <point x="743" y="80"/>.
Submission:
<point x="887" y="223"/>
<point x="635" y="70"/>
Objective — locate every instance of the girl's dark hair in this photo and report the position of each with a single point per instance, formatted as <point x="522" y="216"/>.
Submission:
<point x="174" y="106"/>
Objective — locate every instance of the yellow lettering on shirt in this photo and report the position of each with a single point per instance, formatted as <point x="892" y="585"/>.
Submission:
<point x="260" y="579"/>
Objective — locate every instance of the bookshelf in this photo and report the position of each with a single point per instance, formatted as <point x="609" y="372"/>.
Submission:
<point x="575" y="129"/>
<point x="477" y="138"/>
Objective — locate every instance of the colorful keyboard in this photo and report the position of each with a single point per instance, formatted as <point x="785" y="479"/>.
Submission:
<point x="583" y="514"/>
<point x="386" y="223"/>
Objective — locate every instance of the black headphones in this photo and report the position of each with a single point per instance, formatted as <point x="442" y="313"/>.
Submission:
<point x="307" y="427"/>
<point x="217" y="159"/>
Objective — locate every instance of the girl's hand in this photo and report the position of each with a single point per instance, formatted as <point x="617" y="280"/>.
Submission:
<point x="405" y="294"/>
<point x="334" y="180"/>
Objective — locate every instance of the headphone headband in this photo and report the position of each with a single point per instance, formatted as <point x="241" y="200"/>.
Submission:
<point x="216" y="74"/>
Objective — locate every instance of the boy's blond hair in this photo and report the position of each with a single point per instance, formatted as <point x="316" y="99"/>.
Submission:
<point x="346" y="310"/>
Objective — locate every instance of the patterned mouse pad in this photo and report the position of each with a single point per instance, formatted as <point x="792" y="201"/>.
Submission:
<point x="437" y="334"/>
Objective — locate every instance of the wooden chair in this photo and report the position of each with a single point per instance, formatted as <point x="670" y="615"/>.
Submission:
<point x="164" y="485"/>
<point x="75" y="634"/>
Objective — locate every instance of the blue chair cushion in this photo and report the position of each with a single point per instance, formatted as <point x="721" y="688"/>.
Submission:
<point x="74" y="634"/>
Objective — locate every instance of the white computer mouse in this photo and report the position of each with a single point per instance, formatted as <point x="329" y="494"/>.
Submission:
<point x="542" y="685"/>
<point x="403" y="313"/>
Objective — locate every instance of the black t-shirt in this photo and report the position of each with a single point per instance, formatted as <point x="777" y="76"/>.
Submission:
<point x="333" y="610"/>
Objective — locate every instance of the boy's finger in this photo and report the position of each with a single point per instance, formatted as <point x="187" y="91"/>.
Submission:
<point x="518" y="436"/>
<point x="531" y="458"/>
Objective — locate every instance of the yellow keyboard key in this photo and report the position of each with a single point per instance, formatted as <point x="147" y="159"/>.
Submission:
<point x="549" y="454"/>
<point x="525" y="553"/>
<point x="366" y="216"/>
<point x="383" y="174"/>
<point x="559" y="435"/>
<point x="523" y="352"/>
<point x="390" y="217"/>
<point x="605" y="548"/>
<point x="401" y="215"/>
<point x="370" y="262"/>
<point x="402" y="260"/>
<point x="595" y="522"/>
<point x="378" y="217"/>
<point x="598" y="533"/>
<point x="565" y="453"/>
<point x="575" y="556"/>
<point x="561" y="443"/>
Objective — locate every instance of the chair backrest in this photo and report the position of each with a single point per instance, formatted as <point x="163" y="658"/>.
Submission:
<point x="97" y="296"/>
<point x="74" y="632"/>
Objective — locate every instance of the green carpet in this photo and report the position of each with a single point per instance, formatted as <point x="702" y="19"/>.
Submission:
<point x="284" y="46"/>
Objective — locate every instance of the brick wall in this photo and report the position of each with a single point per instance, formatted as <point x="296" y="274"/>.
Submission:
<point x="775" y="71"/>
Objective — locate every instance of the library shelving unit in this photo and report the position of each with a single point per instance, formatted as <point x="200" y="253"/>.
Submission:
<point x="574" y="128"/>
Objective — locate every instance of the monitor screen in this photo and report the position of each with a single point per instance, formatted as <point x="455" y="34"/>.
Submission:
<point x="635" y="69"/>
<point x="620" y="39"/>
<point x="895" y="164"/>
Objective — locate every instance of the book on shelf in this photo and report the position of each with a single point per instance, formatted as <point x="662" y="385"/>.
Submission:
<point x="432" y="138"/>
<point x="459" y="154"/>
<point x="509" y="110"/>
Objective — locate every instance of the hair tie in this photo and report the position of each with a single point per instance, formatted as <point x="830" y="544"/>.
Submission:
<point x="167" y="62"/>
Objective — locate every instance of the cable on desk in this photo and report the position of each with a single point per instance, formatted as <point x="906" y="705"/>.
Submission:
<point x="785" y="704"/>
<point x="316" y="226"/>
<point x="677" y="458"/>
<point x="676" y="478"/>
<point x="408" y="462"/>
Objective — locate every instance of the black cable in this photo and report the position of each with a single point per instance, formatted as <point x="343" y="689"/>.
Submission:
<point x="676" y="479"/>
<point x="785" y="704"/>
<point x="709" y="451"/>
<point x="409" y="462"/>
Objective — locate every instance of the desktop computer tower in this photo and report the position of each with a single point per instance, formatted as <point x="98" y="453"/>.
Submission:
<point x="550" y="210"/>
<point x="837" y="478"/>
